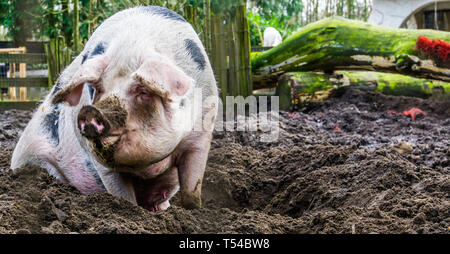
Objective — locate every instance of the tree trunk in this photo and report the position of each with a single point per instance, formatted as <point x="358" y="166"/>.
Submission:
<point x="296" y="89"/>
<point x="66" y="23"/>
<point x="339" y="44"/>
<point x="22" y="29"/>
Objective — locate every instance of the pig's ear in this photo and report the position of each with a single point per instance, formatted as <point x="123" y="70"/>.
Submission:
<point x="91" y="71"/>
<point x="163" y="78"/>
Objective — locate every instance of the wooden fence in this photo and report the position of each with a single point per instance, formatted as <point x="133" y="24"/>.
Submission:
<point x="227" y="41"/>
<point x="225" y="36"/>
<point x="19" y="57"/>
<point x="54" y="53"/>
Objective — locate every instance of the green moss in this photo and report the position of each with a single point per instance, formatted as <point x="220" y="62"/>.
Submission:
<point x="312" y="82"/>
<point x="397" y="84"/>
<point x="387" y="83"/>
<point x="333" y="41"/>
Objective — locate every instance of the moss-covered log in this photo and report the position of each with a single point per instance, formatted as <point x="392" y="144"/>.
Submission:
<point x="341" y="44"/>
<point x="300" y="88"/>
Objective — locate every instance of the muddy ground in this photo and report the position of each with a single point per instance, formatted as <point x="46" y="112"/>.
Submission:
<point x="344" y="166"/>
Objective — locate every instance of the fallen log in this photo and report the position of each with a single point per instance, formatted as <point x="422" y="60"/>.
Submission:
<point x="341" y="44"/>
<point x="298" y="89"/>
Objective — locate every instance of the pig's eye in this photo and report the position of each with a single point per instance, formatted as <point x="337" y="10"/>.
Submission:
<point x="141" y="94"/>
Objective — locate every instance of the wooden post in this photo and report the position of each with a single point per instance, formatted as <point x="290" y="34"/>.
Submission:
<point x="218" y="51"/>
<point x="12" y="74"/>
<point x="23" y="74"/>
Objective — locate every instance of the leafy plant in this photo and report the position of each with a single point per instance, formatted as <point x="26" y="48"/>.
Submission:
<point x="283" y="15"/>
<point x="20" y="18"/>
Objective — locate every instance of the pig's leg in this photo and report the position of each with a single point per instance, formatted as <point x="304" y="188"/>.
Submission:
<point x="191" y="169"/>
<point x="116" y="184"/>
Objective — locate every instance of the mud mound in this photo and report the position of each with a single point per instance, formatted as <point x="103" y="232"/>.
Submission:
<point x="345" y="166"/>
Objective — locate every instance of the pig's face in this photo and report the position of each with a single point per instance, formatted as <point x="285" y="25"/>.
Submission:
<point x="137" y="115"/>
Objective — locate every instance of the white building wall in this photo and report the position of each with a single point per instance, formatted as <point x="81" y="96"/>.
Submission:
<point x="393" y="13"/>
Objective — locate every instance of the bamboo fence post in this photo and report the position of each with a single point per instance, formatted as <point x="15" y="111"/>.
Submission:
<point x="247" y="47"/>
<point x="218" y="51"/>
<point x="189" y="14"/>
<point x="76" y="21"/>
<point x="207" y="30"/>
<point x="243" y="52"/>
<point x="233" y="63"/>
<point x="58" y="57"/>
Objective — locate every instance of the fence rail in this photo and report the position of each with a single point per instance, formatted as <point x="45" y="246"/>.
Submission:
<point x="24" y="105"/>
<point x="18" y="57"/>
<point x="29" y="58"/>
<point x="24" y="82"/>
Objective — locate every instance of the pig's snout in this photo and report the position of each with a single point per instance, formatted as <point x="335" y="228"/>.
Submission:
<point x="91" y="123"/>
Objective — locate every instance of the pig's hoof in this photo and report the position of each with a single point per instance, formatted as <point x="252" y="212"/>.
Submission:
<point x="190" y="201"/>
<point x="164" y="205"/>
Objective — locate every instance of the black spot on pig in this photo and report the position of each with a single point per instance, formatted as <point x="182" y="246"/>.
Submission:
<point x="56" y="88"/>
<point x="164" y="12"/>
<point x="94" y="172"/>
<point x="85" y="57"/>
<point x="195" y="53"/>
<point x="51" y="123"/>
<point x="98" y="50"/>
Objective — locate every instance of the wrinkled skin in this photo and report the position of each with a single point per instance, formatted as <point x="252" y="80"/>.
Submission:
<point x="121" y="117"/>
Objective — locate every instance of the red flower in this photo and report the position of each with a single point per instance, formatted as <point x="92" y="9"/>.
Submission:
<point x="433" y="48"/>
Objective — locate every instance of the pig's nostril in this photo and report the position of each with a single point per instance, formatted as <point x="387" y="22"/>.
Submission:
<point x="98" y="126"/>
<point x="91" y="128"/>
<point x="82" y="124"/>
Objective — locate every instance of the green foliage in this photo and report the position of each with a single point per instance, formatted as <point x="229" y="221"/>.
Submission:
<point x="20" y="17"/>
<point x="286" y="10"/>
<point x="283" y="15"/>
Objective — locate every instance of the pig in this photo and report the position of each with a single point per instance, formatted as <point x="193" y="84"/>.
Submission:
<point x="272" y="37"/>
<point x="122" y="116"/>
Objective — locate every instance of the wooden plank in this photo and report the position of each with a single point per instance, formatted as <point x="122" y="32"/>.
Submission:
<point x="31" y="46"/>
<point x="30" y="58"/>
<point x="24" y="82"/>
<point x="23" y="74"/>
<point x="23" y="105"/>
<point x="20" y="50"/>
<point x="12" y="90"/>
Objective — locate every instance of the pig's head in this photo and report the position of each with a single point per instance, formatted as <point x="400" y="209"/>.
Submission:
<point x="138" y="112"/>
